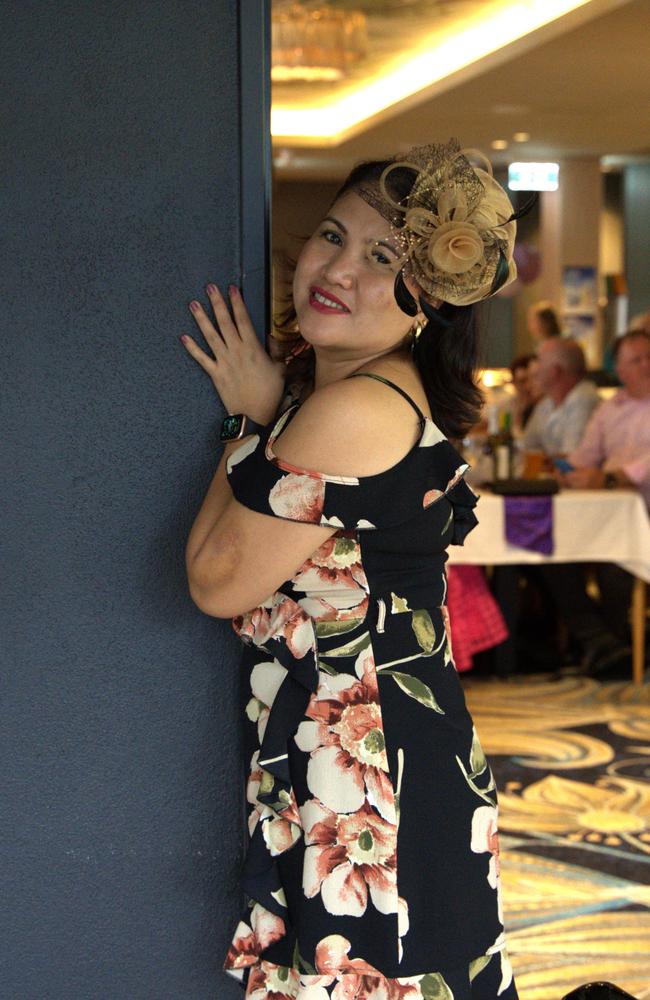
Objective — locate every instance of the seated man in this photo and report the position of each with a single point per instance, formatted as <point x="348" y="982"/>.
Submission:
<point x="558" y="421"/>
<point x="614" y="452"/>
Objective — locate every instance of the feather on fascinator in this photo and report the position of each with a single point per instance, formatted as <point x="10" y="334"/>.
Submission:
<point x="453" y="222"/>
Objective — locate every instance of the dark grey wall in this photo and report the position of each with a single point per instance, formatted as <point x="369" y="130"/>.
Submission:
<point x="120" y="719"/>
<point x="636" y="201"/>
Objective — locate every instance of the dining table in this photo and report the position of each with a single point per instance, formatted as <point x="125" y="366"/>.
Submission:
<point x="588" y="526"/>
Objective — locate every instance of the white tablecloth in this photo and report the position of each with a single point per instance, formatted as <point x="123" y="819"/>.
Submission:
<point x="588" y="526"/>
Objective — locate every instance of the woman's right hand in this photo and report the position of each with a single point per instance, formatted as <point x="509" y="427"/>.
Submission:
<point x="246" y="378"/>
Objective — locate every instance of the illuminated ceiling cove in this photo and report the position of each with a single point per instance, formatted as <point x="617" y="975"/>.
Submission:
<point x="417" y="49"/>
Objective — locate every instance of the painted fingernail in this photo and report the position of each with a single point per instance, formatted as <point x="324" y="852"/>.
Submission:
<point x="195" y="306"/>
<point x="184" y="338"/>
<point x="211" y="289"/>
<point x="233" y="290"/>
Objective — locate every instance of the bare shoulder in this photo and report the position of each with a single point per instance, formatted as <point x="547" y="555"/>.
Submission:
<point x="356" y="426"/>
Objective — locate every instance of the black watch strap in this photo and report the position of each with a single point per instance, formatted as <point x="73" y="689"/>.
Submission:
<point x="238" y="425"/>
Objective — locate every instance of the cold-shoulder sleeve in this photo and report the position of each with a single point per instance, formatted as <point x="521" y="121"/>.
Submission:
<point x="432" y="469"/>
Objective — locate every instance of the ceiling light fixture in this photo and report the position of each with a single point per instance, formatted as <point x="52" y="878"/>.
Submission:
<point x="439" y="55"/>
<point x="311" y="43"/>
<point x="521" y="137"/>
<point x="499" y="144"/>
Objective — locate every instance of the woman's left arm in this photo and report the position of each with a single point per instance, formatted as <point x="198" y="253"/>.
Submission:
<point x="236" y="557"/>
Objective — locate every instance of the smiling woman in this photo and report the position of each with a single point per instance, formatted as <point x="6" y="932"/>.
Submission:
<point x="372" y="869"/>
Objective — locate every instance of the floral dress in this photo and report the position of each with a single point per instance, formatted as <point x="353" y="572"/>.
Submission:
<point x="372" y="870"/>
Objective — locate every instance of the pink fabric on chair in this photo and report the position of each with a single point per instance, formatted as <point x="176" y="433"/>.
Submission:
<point x="474" y="615"/>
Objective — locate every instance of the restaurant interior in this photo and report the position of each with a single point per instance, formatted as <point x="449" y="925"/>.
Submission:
<point x="557" y="95"/>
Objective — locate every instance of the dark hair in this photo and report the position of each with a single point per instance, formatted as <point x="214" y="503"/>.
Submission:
<point x="521" y="362"/>
<point x="629" y="335"/>
<point x="548" y="318"/>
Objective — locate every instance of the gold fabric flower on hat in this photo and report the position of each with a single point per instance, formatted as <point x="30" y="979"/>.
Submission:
<point x="452" y="220"/>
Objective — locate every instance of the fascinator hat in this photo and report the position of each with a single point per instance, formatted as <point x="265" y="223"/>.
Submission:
<point x="453" y="223"/>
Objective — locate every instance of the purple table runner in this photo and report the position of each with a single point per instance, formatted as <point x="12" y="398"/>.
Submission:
<point x="529" y="523"/>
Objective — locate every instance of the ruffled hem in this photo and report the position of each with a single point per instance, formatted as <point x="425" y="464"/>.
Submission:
<point x="488" y="976"/>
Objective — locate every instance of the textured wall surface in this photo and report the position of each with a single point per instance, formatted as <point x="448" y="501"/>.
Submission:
<point x="121" y="760"/>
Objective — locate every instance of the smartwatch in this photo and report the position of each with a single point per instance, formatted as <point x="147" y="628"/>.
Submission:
<point x="238" y="425"/>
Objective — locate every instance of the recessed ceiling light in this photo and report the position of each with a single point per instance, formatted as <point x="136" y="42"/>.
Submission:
<point x="521" y="136"/>
<point x="499" y="144"/>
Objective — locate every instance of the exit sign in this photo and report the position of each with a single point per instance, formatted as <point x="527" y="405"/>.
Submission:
<point x="533" y="176"/>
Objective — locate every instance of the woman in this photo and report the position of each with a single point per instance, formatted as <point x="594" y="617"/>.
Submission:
<point x="372" y="869"/>
<point x="542" y="322"/>
<point x="527" y="393"/>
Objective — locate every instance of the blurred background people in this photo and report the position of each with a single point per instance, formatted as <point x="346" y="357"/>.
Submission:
<point x="542" y="322"/>
<point x="614" y="453"/>
<point x="558" y="420"/>
<point x="641" y="322"/>
<point x="527" y="391"/>
<point x="615" y="449"/>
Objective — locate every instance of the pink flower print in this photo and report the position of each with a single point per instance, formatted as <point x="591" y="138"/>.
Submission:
<point x="345" y="740"/>
<point x="355" y="979"/>
<point x="331" y="958"/>
<point x="263" y="930"/>
<point x="485" y="837"/>
<point x="280" y="830"/>
<point x="268" y="981"/>
<point x="446" y="620"/>
<point x="347" y="857"/>
<point x="278" y="618"/>
<point x="298" y="498"/>
<point x="333" y="580"/>
<point x="266" y="679"/>
<point x="430" y="497"/>
<point x="457" y="476"/>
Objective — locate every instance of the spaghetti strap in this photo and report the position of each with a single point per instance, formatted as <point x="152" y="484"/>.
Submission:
<point x="397" y="388"/>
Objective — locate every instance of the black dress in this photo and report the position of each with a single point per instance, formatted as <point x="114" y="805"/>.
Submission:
<point x="373" y="868"/>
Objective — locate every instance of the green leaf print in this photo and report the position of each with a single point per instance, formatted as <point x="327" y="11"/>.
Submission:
<point x="325" y="629"/>
<point x="433" y="987"/>
<point x="398" y="604"/>
<point x="448" y="522"/>
<point x="477" y="761"/>
<point x="344" y="546"/>
<point x="424" y="630"/>
<point x="417" y="689"/>
<point x="350" y="648"/>
<point x="477" y="966"/>
<point x="267" y="782"/>
<point x="299" y="963"/>
<point x="327" y="669"/>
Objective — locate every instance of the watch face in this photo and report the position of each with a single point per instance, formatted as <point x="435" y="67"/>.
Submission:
<point x="231" y="427"/>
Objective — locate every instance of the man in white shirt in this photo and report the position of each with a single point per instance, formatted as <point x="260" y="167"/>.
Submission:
<point x="558" y="421"/>
<point x="614" y="453"/>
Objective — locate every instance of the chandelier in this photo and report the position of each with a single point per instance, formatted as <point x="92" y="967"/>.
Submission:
<point x="313" y="41"/>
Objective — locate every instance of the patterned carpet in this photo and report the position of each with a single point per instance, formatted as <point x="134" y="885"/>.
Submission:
<point x="572" y="762"/>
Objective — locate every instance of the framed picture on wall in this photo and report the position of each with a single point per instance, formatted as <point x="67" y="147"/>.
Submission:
<point x="580" y="310"/>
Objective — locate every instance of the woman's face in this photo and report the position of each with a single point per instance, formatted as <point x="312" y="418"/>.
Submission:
<point x="343" y="285"/>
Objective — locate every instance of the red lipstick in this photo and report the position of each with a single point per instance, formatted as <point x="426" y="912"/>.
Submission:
<point x="326" y="302"/>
